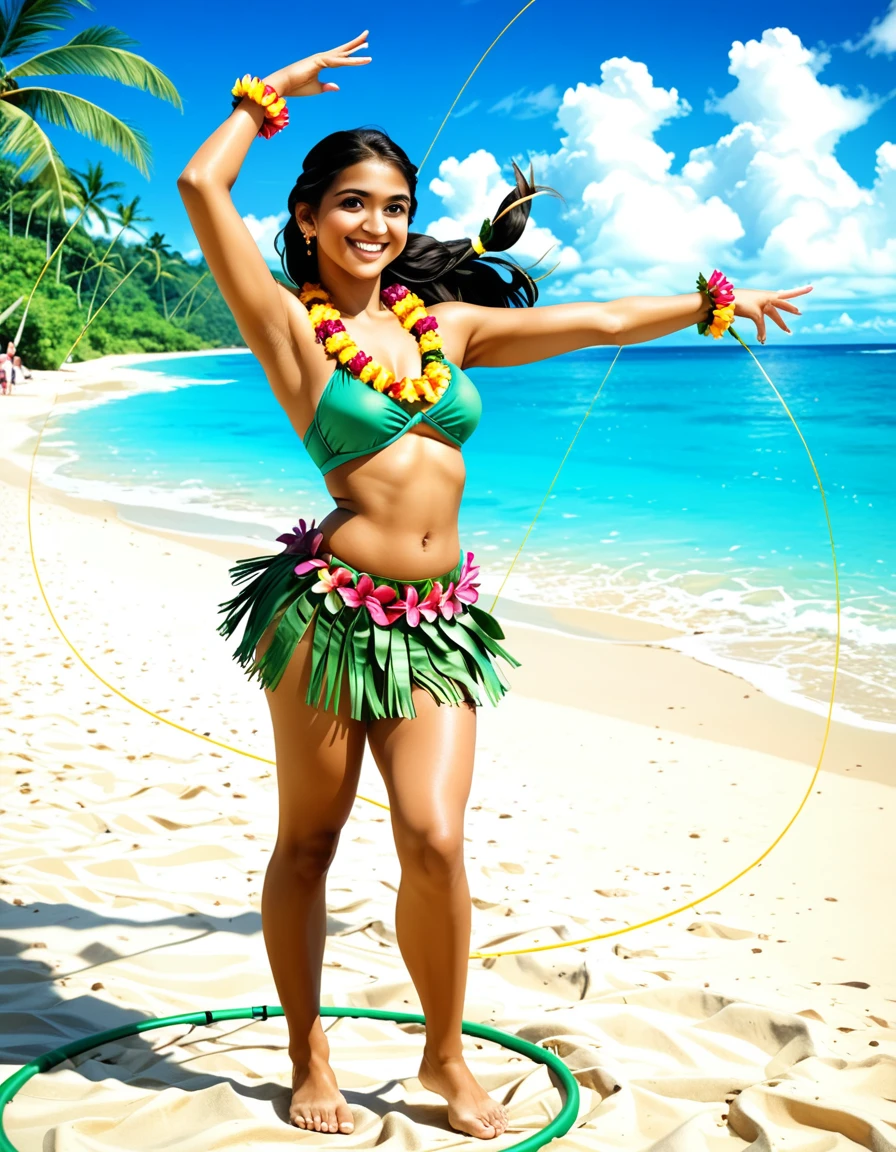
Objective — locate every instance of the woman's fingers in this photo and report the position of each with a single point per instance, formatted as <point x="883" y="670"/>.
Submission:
<point x="351" y="43"/>
<point x="795" y="292"/>
<point x="773" y="312"/>
<point x="336" y="61"/>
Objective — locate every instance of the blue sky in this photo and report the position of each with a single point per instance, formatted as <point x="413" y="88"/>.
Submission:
<point x="758" y="139"/>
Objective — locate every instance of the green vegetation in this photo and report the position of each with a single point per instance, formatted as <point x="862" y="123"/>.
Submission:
<point x="160" y="303"/>
<point x="134" y="297"/>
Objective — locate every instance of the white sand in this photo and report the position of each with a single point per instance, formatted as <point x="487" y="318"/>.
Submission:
<point x="620" y="790"/>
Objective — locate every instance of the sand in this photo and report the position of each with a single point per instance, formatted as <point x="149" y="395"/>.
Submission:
<point x="631" y="787"/>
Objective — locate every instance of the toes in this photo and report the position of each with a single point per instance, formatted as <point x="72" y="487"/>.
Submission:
<point x="344" y="1117"/>
<point x="332" y="1126"/>
<point x="316" y="1118"/>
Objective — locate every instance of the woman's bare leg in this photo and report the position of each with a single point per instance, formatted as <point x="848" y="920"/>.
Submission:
<point x="427" y="765"/>
<point x="318" y="766"/>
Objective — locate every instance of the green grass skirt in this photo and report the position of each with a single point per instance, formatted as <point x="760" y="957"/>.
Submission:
<point x="453" y="659"/>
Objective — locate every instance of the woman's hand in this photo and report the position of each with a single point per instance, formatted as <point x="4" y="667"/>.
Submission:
<point x="300" y="79"/>
<point x="755" y="304"/>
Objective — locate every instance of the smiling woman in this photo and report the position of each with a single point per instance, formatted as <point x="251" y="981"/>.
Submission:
<point x="365" y="628"/>
<point x="328" y="203"/>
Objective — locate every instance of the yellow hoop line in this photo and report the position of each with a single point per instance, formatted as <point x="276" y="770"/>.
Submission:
<point x="369" y="800"/>
<point x="254" y="756"/>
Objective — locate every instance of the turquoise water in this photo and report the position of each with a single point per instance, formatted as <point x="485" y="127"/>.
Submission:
<point x="687" y="499"/>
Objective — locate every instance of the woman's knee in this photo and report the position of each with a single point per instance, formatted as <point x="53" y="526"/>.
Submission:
<point x="308" y="855"/>
<point x="432" y="855"/>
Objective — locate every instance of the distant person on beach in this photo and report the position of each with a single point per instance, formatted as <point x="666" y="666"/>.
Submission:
<point x="20" y="367"/>
<point x="348" y="652"/>
<point x="7" y="374"/>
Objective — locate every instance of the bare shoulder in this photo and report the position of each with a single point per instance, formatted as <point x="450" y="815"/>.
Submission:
<point x="457" y="320"/>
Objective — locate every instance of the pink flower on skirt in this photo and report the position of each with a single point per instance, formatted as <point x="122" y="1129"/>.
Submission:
<point x="330" y="581"/>
<point x="375" y="600"/>
<point x="413" y="606"/>
<point x="467" y="585"/>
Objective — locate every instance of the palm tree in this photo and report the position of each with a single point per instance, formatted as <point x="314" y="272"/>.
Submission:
<point x="160" y="251"/>
<point x="91" y="193"/>
<point x="100" y="50"/>
<point x="127" y="218"/>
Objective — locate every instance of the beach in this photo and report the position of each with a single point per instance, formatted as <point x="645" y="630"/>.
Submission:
<point x="620" y="781"/>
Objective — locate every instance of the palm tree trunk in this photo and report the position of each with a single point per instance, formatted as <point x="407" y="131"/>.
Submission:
<point x="100" y="275"/>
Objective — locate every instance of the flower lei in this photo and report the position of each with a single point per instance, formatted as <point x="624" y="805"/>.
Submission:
<point x="410" y="310"/>
<point x="338" y="587"/>
<point x="720" y="293"/>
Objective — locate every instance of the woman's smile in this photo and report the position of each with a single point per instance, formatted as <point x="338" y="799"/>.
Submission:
<point x="367" y="250"/>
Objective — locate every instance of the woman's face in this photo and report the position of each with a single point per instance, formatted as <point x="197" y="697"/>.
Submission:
<point x="362" y="222"/>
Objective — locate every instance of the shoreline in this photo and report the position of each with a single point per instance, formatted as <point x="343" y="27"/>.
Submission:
<point x="575" y="628"/>
<point x="626" y="795"/>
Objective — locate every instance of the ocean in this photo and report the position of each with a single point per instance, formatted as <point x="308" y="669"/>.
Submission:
<point x="668" y="507"/>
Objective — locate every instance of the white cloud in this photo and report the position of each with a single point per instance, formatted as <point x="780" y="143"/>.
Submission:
<point x="524" y="105"/>
<point x="881" y="36"/>
<point x="93" y="227"/>
<point x="472" y="189"/>
<point x="466" y="110"/>
<point x="767" y="201"/>
<point x="885" y="325"/>
<point x="264" y="230"/>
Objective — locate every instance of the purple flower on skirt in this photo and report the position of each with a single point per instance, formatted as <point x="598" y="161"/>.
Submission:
<point x="305" y="541"/>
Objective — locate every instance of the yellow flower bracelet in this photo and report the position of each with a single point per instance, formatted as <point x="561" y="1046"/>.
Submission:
<point x="276" y="114"/>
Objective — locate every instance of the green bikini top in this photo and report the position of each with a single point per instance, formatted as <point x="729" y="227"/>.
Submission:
<point x="353" y="419"/>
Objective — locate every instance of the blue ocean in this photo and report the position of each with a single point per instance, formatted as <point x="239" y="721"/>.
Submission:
<point x="688" y="498"/>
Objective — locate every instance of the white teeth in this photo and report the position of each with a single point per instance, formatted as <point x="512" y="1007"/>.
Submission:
<point x="368" y="247"/>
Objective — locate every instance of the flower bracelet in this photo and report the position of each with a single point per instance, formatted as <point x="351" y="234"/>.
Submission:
<point x="276" y="114"/>
<point x="720" y="293"/>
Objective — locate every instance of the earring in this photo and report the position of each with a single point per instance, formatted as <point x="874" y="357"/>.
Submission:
<point x="307" y="244"/>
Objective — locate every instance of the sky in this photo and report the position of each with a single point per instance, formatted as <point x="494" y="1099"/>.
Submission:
<point x="760" y="140"/>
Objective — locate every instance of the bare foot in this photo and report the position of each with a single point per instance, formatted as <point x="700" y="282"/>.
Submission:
<point x="317" y="1104"/>
<point x="470" y="1108"/>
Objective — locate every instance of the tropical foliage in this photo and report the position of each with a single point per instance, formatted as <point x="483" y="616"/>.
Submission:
<point x="135" y="296"/>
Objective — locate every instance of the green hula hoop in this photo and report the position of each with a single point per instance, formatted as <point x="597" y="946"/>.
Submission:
<point x="559" y="1126"/>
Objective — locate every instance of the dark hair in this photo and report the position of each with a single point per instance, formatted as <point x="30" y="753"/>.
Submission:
<point x="436" y="270"/>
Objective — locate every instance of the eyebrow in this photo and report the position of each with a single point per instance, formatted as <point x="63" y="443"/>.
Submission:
<point x="361" y="192"/>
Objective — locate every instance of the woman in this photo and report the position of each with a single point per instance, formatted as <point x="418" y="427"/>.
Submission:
<point x="363" y="627"/>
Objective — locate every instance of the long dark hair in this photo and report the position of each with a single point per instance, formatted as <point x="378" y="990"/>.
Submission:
<point x="436" y="270"/>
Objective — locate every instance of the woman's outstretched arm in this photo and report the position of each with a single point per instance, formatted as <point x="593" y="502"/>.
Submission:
<point x="502" y="337"/>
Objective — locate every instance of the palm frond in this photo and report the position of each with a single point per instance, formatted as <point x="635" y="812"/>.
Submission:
<point x="100" y="51"/>
<point x="85" y="117"/>
<point x="27" y="22"/>
<point x="19" y="133"/>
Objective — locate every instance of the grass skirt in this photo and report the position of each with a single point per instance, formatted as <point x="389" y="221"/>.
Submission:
<point x="385" y="634"/>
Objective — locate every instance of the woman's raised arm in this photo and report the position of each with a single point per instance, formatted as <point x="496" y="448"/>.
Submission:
<point x="237" y="265"/>
<point x="252" y="293"/>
